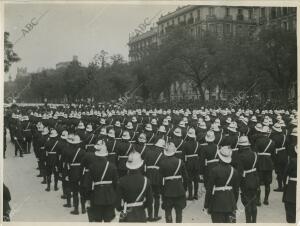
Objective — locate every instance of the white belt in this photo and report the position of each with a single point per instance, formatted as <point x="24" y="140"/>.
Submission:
<point x="27" y="130"/>
<point x="210" y="161"/>
<point x="190" y="156"/>
<point x="134" y="204"/>
<point x="112" y="153"/>
<point x="178" y="151"/>
<point x="224" y="188"/>
<point x="89" y="145"/>
<point x="86" y="170"/>
<point x="171" y="178"/>
<point x="53" y="153"/>
<point x="42" y="147"/>
<point x="279" y="149"/>
<point x="123" y="157"/>
<point x="234" y="149"/>
<point x="249" y="171"/>
<point x="103" y="182"/>
<point x="75" y="164"/>
<point x="264" y="153"/>
<point x="152" y="167"/>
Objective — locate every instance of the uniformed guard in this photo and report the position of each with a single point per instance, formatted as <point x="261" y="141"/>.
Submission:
<point x="52" y="159"/>
<point x="26" y="127"/>
<point x="134" y="191"/>
<point x="75" y="155"/>
<point x="123" y="147"/>
<point x="174" y="176"/>
<point x="208" y="156"/>
<point x="190" y="149"/>
<point x="281" y="156"/>
<point x="247" y="163"/>
<point x="111" y="146"/>
<point x="104" y="178"/>
<point x="222" y="192"/>
<point x="265" y="148"/>
<point x="152" y="157"/>
<point x="178" y="141"/>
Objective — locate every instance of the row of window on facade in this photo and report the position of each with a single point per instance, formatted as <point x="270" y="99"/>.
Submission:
<point x="189" y="17"/>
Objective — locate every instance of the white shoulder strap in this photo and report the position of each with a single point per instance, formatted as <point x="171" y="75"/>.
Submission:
<point x="75" y="155"/>
<point x="54" y="146"/>
<point x="104" y="172"/>
<point x="283" y="142"/>
<point x="158" y="159"/>
<point x="230" y="176"/>
<point x="178" y="167"/>
<point x="143" y="190"/>
<point x="128" y="149"/>
<point x="113" y="148"/>
<point x="267" y="146"/>
<point x="255" y="159"/>
<point x="197" y="145"/>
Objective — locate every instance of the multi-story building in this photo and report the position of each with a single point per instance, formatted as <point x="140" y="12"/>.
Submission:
<point x="140" y="44"/>
<point x="222" y="20"/>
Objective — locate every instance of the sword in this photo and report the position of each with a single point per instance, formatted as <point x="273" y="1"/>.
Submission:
<point x="19" y="145"/>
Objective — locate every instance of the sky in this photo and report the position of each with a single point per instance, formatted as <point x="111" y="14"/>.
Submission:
<point x="60" y="31"/>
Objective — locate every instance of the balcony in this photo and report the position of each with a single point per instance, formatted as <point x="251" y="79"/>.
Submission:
<point x="240" y="17"/>
<point x="190" y="21"/>
<point x="228" y="18"/>
<point x="211" y="17"/>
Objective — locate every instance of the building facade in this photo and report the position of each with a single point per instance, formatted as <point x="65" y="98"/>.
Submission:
<point x="222" y="20"/>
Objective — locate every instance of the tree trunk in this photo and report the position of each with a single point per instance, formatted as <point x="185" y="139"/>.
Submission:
<point x="202" y="93"/>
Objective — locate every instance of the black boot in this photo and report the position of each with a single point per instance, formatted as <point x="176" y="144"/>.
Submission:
<point x="279" y="182"/>
<point x="267" y="192"/>
<point x="48" y="188"/>
<point x="156" y="209"/>
<point x="55" y="186"/>
<point x="82" y="201"/>
<point x="68" y="204"/>
<point x="258" y="203"/>
<point x="44" y="180"/>
<point x="150" y="213"/>
<point x="75" y="211"/>
<point x="196" y="188"/>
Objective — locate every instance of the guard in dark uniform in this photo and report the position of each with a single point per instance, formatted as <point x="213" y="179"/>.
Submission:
<point x="42" y="153"/>
<point x="62" y="147"/>
<point x="247" y="163"/>
<point x="208" y="156"/>
<point x="264" y="147"/>
<point x="123" y="148"/>
<point x="174" y="176"/>
<point x="111" y="147"/>
<point x="104" y="178"/>
<point x="26" y="127"/>
<point x="222" y="192"/>
<point x="281" y="156"/>
<point x="134" y="190"/>
<point x="190" y="149"/>
<point x="75" y="155"/>
<point x="178" y="142"/>
<point x="290" y="188"/>
<point x="152" y="157"/>
<point x="52" y="159"/>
